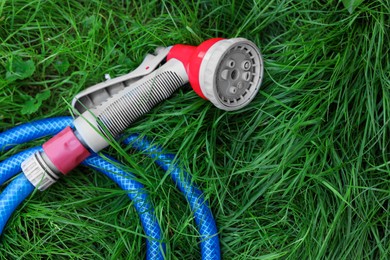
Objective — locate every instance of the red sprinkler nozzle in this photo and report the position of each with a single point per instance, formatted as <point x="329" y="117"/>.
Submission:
<point x="227" y="72"/>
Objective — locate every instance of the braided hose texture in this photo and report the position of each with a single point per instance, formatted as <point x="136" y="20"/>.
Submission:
<point x="154" y="246"/>
<point x="29" y="131"/>
<point x="16" y="192"/>
<point x="20" y="188"/>
<point x="11" y="166"/>
<point x="209" y="243"/>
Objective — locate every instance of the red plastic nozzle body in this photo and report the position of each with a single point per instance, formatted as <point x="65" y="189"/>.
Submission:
<point x="191" y="57"/>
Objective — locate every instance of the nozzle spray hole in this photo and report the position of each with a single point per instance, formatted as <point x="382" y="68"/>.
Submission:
<point x="246" y="65"/>
<point x="246" y="76"/>
<point x="234" y="75"/>
<point x="233" y="90"/>
<point x="231" y="63"/>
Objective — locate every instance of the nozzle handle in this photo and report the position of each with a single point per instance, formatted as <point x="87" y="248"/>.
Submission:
<point x="99" y="93"/>
<point x="96" y="126"/>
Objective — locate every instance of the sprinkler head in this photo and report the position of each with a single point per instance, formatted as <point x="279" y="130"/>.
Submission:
<point x="227" y="72"/>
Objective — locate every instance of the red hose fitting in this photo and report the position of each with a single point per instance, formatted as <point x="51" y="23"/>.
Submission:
<point x="191" y="57"/>
<point x="65" y="150"/>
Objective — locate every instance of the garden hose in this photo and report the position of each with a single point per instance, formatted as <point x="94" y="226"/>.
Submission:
<point x="11" y="197"/>
<point x="33" y="130"/>
<point x="227" y="72"/>
<point x="203" y="216"/>
<point x="20" y="188"/>
<point x="155" y="249"/>
<point x="11" y="166"/>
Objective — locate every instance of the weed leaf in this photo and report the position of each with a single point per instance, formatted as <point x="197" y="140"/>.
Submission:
<point x="18" y="69"/>
<point x="62" y="65"/>
<point x="33" y="104"/>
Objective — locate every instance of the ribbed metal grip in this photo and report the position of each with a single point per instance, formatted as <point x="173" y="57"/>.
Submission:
<point x="125" y="110"/>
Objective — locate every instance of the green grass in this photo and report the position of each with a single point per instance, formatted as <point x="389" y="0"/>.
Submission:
<point x="303" y="172"/>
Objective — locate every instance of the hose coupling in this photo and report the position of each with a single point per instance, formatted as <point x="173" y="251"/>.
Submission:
<point x="60" y="155"/>
<point x="39" y="172"/>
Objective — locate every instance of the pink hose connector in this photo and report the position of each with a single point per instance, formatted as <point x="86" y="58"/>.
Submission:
<point x="65" y="150"/>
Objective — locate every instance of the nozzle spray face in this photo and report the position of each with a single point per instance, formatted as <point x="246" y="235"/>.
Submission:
<point x="228" y="72"/>
<point x="231" y="73"/>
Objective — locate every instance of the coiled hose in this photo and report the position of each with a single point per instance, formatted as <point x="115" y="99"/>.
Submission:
<point x="154" y="247"/>
<point x="14" y="194"/>
<point x="20" y="188"/>
<point x="209" y="244"/>
<point x="203" y="217"/>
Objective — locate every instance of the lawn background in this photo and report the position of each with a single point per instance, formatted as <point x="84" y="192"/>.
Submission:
<point x="301" y="173"/>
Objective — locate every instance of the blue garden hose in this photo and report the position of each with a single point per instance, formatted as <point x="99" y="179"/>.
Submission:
<point x="11" y="196"/>
<point x="209" y="244"/>
<point x="30" y="131"/>
<point x="16" y="192"/>
<point x="11" y="166"/>
<point x="154" y="247"/>
<point x="203" y="217"/>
